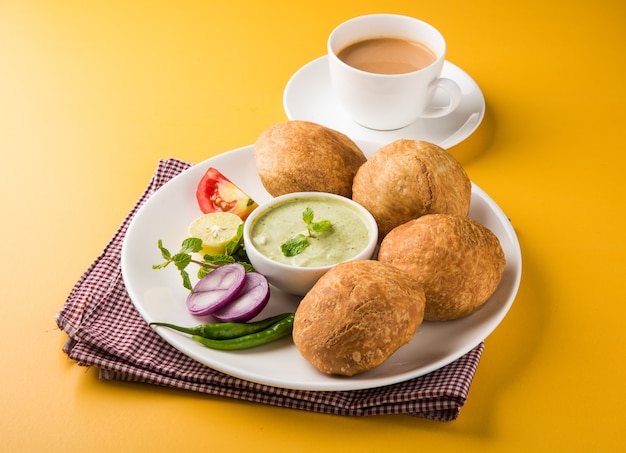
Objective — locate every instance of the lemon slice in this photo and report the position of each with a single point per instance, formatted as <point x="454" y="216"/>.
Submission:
<point x="216" y="229"/>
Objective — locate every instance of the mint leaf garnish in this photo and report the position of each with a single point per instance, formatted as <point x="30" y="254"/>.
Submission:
<point x="307" y="216"/>
<point x="191" y="245"/>
<point x="297" y="244"/>
<point x="317" y="228"/>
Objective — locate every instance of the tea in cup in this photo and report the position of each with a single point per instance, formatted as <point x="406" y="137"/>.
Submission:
<point x="385" y="70"/>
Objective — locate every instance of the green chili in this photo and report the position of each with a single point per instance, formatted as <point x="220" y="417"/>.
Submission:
<point x="225" y="330"/>
<point x="280" y="329"/>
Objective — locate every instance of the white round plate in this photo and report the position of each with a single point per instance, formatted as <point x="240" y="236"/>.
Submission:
<point x="308" y="96"/>
<point x="159" y="295"/>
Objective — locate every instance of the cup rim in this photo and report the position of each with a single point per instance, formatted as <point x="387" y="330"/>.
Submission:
<point x="440" y="56"/>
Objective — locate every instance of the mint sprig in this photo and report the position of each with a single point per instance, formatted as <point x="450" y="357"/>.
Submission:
<point x="300" y="242"/>
<point x="233" y="253"/>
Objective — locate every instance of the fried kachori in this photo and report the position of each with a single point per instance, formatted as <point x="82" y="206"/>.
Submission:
<point x="356" y="316"/>
<point x="406" y="179"/>
<point x="457" y="261"/>
<point x="301" y="156"/>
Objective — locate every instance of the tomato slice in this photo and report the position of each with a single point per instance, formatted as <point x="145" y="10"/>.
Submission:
<point x="216" y="193"/>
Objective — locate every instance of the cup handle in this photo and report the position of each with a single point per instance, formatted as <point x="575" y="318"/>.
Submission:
<point x="452" y="89"/>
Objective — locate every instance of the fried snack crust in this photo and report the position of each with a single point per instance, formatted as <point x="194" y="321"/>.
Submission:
<point x="356" y="316"/>
<point x="458" y="261"/>
<point x="410" y="178"/>
<point x="301" y="156"/>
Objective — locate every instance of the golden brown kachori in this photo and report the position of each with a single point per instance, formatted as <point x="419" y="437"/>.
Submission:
<point x="301" y="156"/>
<point x="406" y="179"/>
<point x="357" y="315"/>
<point x="457" y="261"/>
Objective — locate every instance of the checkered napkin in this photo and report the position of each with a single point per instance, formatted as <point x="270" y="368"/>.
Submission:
<point x="105" y="330"/>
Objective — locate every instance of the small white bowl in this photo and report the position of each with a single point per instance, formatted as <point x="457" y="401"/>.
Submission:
<point x="297" y="279"/>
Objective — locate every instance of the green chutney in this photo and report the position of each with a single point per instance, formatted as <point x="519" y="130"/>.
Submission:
<point x="348" y="237"/>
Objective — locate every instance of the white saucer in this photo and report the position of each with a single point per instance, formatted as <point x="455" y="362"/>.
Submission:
<point x="308" y="96"/>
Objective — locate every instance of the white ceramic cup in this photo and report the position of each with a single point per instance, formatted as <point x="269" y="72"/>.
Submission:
<point x="390" y="101"/>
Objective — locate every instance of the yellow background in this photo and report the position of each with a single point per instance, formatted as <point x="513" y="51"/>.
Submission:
<point x="93" y="93"/>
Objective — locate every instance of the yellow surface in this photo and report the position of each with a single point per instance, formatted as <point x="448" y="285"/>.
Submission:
<point x="93" y="93"/>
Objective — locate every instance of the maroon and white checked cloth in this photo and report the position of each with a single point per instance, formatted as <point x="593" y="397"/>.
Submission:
<point x="105" y="330"/>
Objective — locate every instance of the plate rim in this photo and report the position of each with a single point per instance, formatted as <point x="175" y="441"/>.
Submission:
<point x="182" y="344"/>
